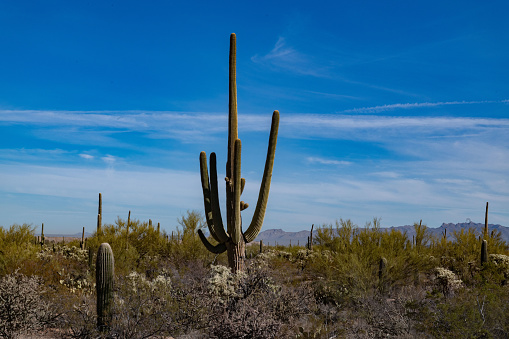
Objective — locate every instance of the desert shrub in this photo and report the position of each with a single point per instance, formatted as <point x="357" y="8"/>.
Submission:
<point x="256" y="306"/>
<point x="22" y="306"/>
<point x="16" y="247"/>
<point x="471" y="313"/>
<point x="140" y="310"/>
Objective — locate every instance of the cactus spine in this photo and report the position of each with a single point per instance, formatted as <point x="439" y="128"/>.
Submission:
<point x="484" y="252"/>
<point x="104" y="275"/>
<point x="232" y="239"/>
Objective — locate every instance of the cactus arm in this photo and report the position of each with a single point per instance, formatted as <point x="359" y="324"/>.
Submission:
<point x="206" y="194"/>
<point x="214" y="202"/>
<point x="243" y="205"/>
<point x="218" y="249"/>
<point x="236" y="230"/>
<point x="259" y="213"/>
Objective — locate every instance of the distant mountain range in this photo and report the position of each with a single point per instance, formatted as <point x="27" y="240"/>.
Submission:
<point x="75" y="235"/>
<point x="273" y="236"/>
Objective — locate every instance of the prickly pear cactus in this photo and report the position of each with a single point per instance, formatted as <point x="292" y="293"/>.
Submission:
<point x="104" y="275"/>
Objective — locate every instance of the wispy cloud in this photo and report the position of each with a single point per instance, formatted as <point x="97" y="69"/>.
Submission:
<point x="86" y="156"/>
<point x="324" y="161"/>
<point x="108" y="128"/>
<point x="391" y="107"/>
<point x="285" y="57"/>
<point x="109" y="159"/>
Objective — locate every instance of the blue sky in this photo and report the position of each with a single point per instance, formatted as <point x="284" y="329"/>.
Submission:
<point x="389" y="109"/>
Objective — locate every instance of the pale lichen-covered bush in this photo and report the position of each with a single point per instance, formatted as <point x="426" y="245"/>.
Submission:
<point x="223" y="283"/>
<point x="447" y="281"/>
<point x="138" y="282"/>
<point x="70" y="253"/>
<point x="77" y="282"/>
<point x="22" y="308"/>
<point x="501" y="261"/>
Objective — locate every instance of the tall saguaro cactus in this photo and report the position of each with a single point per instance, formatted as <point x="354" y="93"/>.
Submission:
<point x="99" y="214"/>
<point x="42" y="234"/>
<point x="104" y="275"/>
<point x="486" y="222"/>
<point x="232" y="239"/>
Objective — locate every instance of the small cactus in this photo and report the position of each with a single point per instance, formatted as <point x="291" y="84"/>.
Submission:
<point x="484" y="252"/>
<point x="104" y="275"/>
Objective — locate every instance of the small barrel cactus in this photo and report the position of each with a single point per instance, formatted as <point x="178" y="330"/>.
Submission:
<point x="104" y="274"/>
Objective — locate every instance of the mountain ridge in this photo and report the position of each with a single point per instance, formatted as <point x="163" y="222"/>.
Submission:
<point x="281" y="237"/>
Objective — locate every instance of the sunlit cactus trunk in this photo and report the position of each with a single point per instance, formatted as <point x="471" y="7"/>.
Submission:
<point x="232" y="239"/>
<point x="104" y="276"/>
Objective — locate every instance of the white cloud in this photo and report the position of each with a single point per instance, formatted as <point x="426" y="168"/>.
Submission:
<point x="327" y="161"/>
<point x="109" y="159"/>
<point x="385" y="108"/>
<point x="285" y="57"/>
<point x="86" y="156"/>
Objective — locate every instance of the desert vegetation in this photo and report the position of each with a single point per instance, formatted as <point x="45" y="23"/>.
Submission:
<point x="356" y="282"/>
<point x="132" y="280"/>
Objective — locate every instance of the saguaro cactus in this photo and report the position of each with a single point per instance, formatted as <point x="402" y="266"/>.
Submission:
<point x="127" y="230"/>
<point x="382" y="268"/>
<point x="42" y="234"/>
<point x="232" y="239"/>
<point x="99" y="214"/>
<point x="82" y="243"/>
<point x="486" y="222"/>
<point x="104" y="275"/>
<point x="310" y="238"/>
<point x="484" y="252"/>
